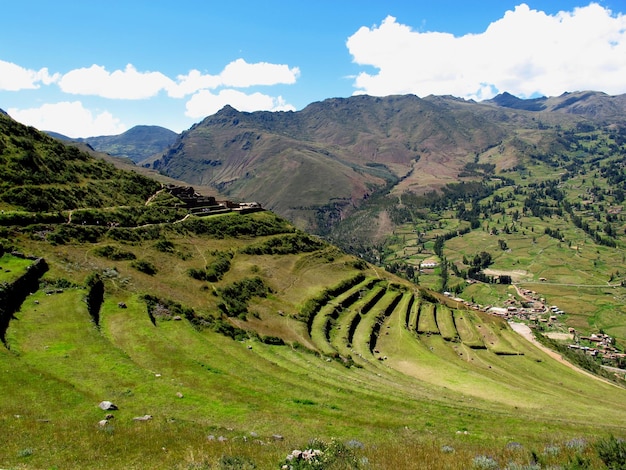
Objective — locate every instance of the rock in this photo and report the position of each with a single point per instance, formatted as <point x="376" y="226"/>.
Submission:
<point x="142" y="418"/>
<point x="179" y="395"/>
<point x="109" y="416"/>
<point x="107" y="406"/>
<point x="103" y="422"/>
<point x="278" y="437"/>
<point x="177" y="318"/>
<point x="210" y="437"/>
<point x="222" y="439"/>
<point x="121" y="305"/>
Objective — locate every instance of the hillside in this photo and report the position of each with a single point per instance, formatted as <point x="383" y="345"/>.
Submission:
<point x="228" y="341"/>
<point x="137" y="144"/>
<point x="318" y="165"/>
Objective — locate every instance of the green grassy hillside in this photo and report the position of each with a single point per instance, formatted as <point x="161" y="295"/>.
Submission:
<point x="230" y="340"/>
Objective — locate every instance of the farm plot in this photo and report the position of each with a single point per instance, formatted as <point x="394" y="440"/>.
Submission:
<point x="411" y="314"/>
<point x="445" y="322"/>
<point x="495" y="340"/>
<point x="398" y="307"/>
<point x="361" y="340"/>
<point x="12" y="267"/>
<point x="352" y="316"/>
<point x="465" y="325"/>
<point x="323" y="320"/>
<point x="426" y="321"/>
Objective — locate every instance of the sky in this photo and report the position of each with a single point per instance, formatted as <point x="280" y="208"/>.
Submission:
<point x="100" y="67"/>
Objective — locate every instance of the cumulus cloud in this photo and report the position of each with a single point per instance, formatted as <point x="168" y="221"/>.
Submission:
<point x="205" y="103"/>
<point x="15" y="78"/>
<point x="70" y="119"/>
<point x="240" y="74"/>
<point x="133" y="84"/>
<point x="526" y="52"/>
<point x="120" y="84"/>
<point x="192" y="82"/>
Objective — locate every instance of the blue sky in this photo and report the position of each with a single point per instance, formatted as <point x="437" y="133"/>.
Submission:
<point x="100" y="67"/>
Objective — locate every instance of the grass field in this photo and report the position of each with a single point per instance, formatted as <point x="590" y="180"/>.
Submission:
<point x="401" y="377"/>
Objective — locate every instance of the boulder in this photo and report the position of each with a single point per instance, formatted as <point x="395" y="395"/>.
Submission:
<point x="142" y="418"/>
<point x="107" y="406"/>
<point x="103" y="422"/>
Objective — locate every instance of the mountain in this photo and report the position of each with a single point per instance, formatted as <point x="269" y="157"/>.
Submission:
<point x="39" y="173"/>
<point x="596" y="106"/>
<point x="137" y="143"/>
<point x="137" y="333"/>
<point x="331" y="155"/>
<point x="317" y="165"/>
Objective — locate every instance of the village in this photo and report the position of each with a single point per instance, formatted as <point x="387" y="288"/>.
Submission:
<point x="532" y="309"/>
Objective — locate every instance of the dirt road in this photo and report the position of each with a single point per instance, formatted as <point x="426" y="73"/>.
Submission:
<point x="527" y="333"/>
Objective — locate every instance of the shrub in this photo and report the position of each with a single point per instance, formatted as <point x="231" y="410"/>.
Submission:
<point x="145" y="267"/>
<point x="322" y="455"/>
<point x="286" y="244"/>
<point x="167" y="309"/>
<point x="164" y="246"/>
<point x="237" y="295"/>
<point x="275" y="340"/>
<point x="612" y="452"/>
<point x="114" y="253"/>
<point x="228" y="462"/>
<point x="483" y="462"/>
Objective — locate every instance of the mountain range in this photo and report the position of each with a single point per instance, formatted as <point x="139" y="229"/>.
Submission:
<point x="318" y="165"/>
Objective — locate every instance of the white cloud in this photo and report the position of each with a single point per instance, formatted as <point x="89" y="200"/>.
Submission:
<point x="526" y="52"/>
<point x="15" y="78"/>
<point x="192" y="82"/>
<point x="120" y="84"/>
<point x="70" y="119"/>
<point x="240" y="74"/>
<point x="205" y="103"/>
<point x="133" y="84"/>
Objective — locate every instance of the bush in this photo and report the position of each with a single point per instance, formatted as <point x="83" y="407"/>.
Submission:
<point x="286" y="244"/>
<point x="483" y="462"/>
<point x="328" y="456"/>
<point x="237" y="295"/>
<point x="612" y="452"/>
<point x="145" y="267"/>
<point x="114" y="253"/>
<point x="164" y="246"/>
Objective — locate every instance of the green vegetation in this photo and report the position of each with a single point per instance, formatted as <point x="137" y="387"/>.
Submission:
<point x="289" y="344"/>
<point x="114" y="253"/>
<point x="285" y="245"/>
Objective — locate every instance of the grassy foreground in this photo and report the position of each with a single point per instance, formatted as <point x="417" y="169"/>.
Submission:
<point x="333" y="350"/>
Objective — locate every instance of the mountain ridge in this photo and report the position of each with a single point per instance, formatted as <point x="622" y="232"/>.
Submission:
<point x="362" y="144"/>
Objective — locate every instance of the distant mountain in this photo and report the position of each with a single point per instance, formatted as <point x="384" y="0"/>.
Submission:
<point x="508" y="100"/>
<point x="136" y="144"/>
<point x="318" y="165"/>
<point x="597" y="106"/>
<point x="40" y="173"/>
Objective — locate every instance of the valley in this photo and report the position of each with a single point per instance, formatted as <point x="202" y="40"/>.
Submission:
<point x="227" y="339"/>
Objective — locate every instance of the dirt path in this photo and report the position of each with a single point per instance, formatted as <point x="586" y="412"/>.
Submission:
<point x="527" y="333"/>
